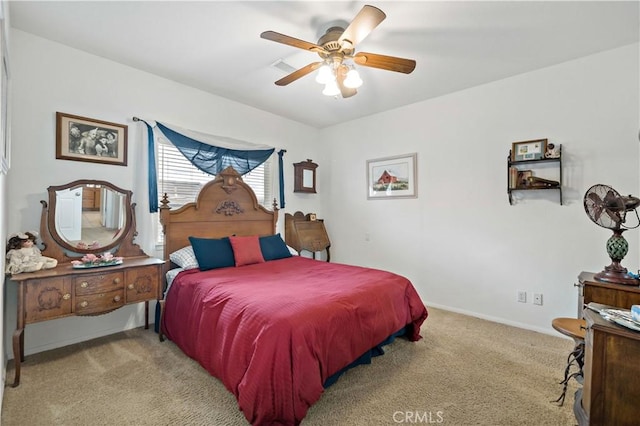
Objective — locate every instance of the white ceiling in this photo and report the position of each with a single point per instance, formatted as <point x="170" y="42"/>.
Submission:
<point x="216" y="46"/>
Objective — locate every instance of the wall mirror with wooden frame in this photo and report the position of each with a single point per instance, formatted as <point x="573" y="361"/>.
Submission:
<point x="304" y="179"/>
<point x="88" y="216"/>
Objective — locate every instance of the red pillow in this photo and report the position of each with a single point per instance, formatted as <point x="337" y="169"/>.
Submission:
<point x="246" y="250"/>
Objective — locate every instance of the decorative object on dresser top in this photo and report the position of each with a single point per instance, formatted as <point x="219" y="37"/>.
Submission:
<point x="306" y="232"/>
<point x="539" y="157"/>
<point x="304" y="176"/>
<point x="114" y="270"/>
<point x="607" y="208"/>
<point x="86" y="139"/>
<point x="24" y="256"/>
<point x="271" y="326"/>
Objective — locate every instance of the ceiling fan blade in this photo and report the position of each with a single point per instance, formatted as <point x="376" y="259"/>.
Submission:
<point x="346" y="92"/>
<point x="365" y="21"/>
<point x="298" y="74"/>
<point x="290" y="41"/>
<point x="389" y="63"/>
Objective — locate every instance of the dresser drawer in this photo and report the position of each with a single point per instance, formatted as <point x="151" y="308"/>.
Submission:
<point x="99" y="302"/>
<point x="98" y="283"/>
<point x="47" y="299"/>
<point x="142" y="283"/>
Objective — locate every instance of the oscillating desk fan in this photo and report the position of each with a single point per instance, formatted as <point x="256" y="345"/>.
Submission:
<point x="607" y="208"/>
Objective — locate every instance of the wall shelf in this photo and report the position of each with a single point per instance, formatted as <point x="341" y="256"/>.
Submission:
<point x="520" y="179"/>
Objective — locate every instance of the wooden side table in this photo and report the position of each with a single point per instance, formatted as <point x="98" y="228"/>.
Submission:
<point x="576" y="329"/>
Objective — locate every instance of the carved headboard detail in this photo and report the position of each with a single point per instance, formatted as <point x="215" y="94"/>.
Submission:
<point x="225" y="206"/>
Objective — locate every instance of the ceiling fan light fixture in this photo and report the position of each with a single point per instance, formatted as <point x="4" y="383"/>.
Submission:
<point x="331" y="89"/>
<point x="353" y="80"/>
<point x="325" y="74"/>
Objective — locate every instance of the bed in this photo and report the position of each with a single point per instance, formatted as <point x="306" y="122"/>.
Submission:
<point x="276" y="329"/>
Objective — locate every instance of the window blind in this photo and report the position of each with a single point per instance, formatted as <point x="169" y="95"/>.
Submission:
<point x="182" y="181"/>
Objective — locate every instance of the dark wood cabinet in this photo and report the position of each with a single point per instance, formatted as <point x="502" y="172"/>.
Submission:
<point x="618" y="295"/>
<point x="91" y="197"/>
<point x="302" y="233"/>
<point x="611" y="389"/>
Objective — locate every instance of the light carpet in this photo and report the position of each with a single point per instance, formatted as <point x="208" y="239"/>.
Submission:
<point x="465" y="371"/>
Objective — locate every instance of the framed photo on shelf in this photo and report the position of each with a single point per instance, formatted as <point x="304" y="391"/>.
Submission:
<point x="392" y="177"/>
<point x="87" y="139"/>
<point x="528" y="150"/>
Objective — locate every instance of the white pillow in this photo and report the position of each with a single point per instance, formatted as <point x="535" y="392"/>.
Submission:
<point x="171" y="274"/>
<point x="293" y="251"/>
<point x="184" y="258"/>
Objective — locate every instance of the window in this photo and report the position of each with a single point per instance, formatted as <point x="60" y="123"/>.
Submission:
<point x="182" y="181"/>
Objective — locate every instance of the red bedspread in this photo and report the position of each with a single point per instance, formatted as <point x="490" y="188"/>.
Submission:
<point x="274" y="332"/>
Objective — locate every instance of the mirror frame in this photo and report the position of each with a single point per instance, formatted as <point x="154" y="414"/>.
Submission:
<point x="298" y="176"/>
<point x="48" y="221"/>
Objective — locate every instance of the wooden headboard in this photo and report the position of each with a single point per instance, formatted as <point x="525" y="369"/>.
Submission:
<point x="225" y="206"/>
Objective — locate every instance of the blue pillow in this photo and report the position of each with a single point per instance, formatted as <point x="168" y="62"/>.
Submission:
<point x="273" y="247"/>
<point x="212" y="253"/>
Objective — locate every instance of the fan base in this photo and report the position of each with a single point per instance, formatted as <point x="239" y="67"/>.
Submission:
<point x="616" y="277"/>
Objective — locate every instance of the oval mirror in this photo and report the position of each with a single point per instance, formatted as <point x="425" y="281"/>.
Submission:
<point x="89" y="216"/>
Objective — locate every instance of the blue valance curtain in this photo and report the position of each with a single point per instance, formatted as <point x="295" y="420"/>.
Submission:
<point x="207" y="157"/>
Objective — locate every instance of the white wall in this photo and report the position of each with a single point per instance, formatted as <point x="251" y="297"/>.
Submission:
<point x="50" y="77"/>
<point x="460" y="242"/>
<point x="4" y="10"/>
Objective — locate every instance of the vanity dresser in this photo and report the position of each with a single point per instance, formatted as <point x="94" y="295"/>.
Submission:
<point x="70" y="231"/>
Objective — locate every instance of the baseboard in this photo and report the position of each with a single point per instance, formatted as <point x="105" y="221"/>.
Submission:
<point x="550" y="331"/>
<point x="78" y="339"/>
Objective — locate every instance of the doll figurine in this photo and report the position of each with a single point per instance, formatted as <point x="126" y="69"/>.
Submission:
<point x="24" y="256"/>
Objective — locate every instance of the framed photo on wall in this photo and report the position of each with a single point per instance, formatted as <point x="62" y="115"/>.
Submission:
<point x="87" y="139"/>
<point x="392" y="177"/>
<point x="528" y="150"/>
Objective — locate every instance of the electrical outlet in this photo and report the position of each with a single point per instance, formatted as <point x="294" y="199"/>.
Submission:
<point x="522" y="296"/>
<point x="537" y="299"/>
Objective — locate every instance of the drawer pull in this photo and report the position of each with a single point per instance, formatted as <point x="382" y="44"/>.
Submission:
<point x="66" y="296"/>
<point x="131" y="286"/>
<point x="84" y="284"/>
<point x="116" y="280"/>
<point x="116" y="299"/>
<point x="84" y="304"/>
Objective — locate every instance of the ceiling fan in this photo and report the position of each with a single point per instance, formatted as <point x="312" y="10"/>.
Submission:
<point x="337" y="49"/>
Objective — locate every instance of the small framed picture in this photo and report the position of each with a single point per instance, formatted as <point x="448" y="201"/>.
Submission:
<point x="312" y="217"/>
<point x="528" y="150"/>
<point x="86" y="139"/>
<point x="392" y="177"/>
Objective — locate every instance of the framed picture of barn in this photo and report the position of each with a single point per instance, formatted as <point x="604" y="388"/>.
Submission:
<point x="87" y="139"/>
<point x="392" y="177"/>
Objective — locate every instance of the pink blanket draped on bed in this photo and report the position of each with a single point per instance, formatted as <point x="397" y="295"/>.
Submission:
<point x="274" y="332"/>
